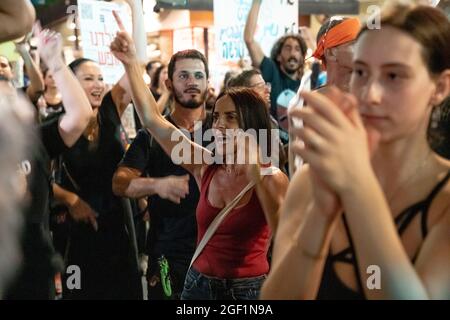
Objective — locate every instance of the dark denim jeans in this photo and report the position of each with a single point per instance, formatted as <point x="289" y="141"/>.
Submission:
<point x="198" y="286"/>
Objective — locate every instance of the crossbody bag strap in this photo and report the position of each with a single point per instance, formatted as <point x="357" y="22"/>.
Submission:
<point x="268" y="171"/>
<point x="217" y="221"/>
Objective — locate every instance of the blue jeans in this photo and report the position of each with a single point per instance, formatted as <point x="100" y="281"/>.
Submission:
<point x="198" y="286"/>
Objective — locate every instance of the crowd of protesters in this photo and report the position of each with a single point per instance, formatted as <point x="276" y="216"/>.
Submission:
<point x="229" y="216"/>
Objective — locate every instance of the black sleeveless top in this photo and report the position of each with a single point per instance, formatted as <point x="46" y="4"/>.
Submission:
<point x="332" y="288"/>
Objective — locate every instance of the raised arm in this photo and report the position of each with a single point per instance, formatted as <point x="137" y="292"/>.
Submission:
<point x="17" y="18"/>
<point x="254" y="48"/>
<point x="77" y="106"/>
<point x="36" y="87"/>
<point x="168" y="136"/>
<point x="121" y="91"/>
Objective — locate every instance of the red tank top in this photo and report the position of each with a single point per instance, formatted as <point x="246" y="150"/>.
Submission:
<point x="238" y="248"/>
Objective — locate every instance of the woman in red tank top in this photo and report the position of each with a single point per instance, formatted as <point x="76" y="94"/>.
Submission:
<point x="233" y="264"/>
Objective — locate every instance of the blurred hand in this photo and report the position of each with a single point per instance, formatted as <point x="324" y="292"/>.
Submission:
<point x="337" y="145"/>
<point x="50" y="48"/>
<point x="173" y="188"/>
<point x="80" y="211"/>
<point x="306" y="34"/>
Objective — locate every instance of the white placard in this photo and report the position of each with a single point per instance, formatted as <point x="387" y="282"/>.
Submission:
<point x="276" y="18"/>
<point x="98" y="28"/>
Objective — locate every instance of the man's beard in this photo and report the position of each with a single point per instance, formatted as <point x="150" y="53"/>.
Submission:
<point x="291" y="71"/>
<point x="190" y="103"/>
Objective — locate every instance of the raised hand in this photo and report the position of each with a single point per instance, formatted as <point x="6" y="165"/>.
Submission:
<point x="50" y="48"/>
<point x="336" y="142"/>
<point x="122" y="47"/>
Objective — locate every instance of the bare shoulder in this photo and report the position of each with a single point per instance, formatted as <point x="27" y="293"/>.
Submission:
<point x="433" y="262"/>
<point x="277" y="180"/>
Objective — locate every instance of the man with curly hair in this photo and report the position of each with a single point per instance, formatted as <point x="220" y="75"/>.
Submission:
<point x="284" y="68"/>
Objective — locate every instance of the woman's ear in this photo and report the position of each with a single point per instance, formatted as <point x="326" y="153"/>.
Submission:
<point x="442" y="88"/>
<point x="168" y="84"/>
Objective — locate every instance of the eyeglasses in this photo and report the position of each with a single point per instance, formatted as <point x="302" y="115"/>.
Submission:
<point x="262" y="85"/>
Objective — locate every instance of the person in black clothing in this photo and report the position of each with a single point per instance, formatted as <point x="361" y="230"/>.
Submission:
<point x="284" y="68"/>
<point x="49" y="103"/>
<point x="15" y="121"/>
<point x="100" y="248"/>
<point x="147" y="171"/>
<point x="151" y="67"/>
<point x="35" y="280"/>
<point x="103" y="247"/>
<point x="369" y="217"/>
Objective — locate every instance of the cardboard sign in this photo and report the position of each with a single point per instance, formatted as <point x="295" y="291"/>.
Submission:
<point x="98" y="29"/>
<point x="275" y="19"/>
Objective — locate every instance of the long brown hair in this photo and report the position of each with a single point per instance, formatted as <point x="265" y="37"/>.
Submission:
<point x="251" y="111"/>
<point x="428" y="26"/>
<point x="431" y="28"/>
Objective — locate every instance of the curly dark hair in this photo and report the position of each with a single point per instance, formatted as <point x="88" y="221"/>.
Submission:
<point x="278" y="46"/>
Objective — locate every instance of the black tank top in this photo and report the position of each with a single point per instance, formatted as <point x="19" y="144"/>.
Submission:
<point x="332" y="288"/>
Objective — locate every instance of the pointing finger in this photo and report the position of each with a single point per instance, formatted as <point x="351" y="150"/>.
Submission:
<point x="119" y="21"/>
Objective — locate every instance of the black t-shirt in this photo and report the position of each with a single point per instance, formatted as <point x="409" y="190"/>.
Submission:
<point x="88" y="167"/>
<point x="38" y="266"/>
<point x="173" y="230"/>
<point x="38" y="171"/>
<point x="283" y="90"/>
